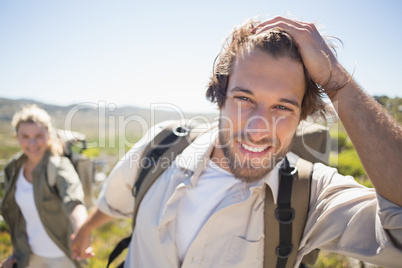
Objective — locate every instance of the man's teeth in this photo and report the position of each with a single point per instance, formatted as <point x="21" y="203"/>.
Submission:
<point x="252" y="149"/>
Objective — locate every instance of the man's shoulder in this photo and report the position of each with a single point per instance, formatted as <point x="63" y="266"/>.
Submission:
<point x="322" y="171"/>
<point x="324" y="176"/>
<point x="320" y="168"/>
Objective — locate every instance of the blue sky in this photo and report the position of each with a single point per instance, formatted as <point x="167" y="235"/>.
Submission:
<point x="142" y="52"/>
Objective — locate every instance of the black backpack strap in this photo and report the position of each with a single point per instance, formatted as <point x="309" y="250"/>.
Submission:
<point x="285" y="214"/>
<point x="170" y="142"/>
<point x="123" y="244"/>
<point x="284" y="222"/>
<point x="176" y="136"/>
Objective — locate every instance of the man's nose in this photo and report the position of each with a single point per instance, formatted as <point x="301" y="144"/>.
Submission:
<point x="259" y="127"/>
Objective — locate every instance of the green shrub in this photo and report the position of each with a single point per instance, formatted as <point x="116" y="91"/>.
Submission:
<point x="5" y="245"/>
<point x="349" y="164"/>
<point x="3" y="226"/>
<point x="91" y="152"/>
<point x="342" y="139"/>
<point x="333" y="260"/>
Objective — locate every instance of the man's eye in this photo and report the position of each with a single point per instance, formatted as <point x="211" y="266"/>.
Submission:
<point x="242" y="98"/>
<point x="281" y="107"/>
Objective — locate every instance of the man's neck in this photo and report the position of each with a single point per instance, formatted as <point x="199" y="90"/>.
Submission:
<point x="218" y="157"/>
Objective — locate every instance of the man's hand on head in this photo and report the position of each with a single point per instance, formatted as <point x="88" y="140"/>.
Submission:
<point x="319" y="60"/>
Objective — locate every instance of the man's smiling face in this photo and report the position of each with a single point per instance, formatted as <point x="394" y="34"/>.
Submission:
<point x="260" y="115"/>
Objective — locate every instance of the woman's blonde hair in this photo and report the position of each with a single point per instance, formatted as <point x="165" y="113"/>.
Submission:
<point x="34" y="114"/>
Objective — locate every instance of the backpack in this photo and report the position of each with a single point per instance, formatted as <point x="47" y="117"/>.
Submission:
<point x="84" y="166"/>
<point x="286" y="220"/>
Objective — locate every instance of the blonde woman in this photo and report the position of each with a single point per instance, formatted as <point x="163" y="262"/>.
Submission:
<point x="41" y="216"/>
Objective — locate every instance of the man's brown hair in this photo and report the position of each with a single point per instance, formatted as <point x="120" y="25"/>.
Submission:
<point x="275" y="42"/>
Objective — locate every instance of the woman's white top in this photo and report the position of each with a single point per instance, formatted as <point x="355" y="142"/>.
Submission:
<point x="39" y="241"/>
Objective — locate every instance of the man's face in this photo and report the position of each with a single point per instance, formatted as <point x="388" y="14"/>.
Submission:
<point x="260" y="114"/>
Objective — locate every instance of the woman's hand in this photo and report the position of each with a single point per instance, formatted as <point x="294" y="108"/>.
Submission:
<point x="81" y="245"/>
<point x="9" y="262"/>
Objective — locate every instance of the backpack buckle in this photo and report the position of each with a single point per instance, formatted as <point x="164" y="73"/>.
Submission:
<point x="181" y="131"/>
<point x="284" y="250"/>
<point x="287" y="172"/>
<point x="289" y="212"/>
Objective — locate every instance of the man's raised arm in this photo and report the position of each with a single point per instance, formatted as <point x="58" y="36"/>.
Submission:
<point x="376" y="136"/>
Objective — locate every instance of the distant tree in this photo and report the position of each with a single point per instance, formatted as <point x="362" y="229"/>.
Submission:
<point x="393" y="106"/>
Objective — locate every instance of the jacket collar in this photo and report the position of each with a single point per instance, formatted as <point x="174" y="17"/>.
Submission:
<point x="19" y="159"/>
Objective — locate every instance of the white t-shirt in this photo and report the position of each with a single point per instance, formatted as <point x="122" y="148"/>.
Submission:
<point x="39" y="241"/>
<point x="212" y="186"/>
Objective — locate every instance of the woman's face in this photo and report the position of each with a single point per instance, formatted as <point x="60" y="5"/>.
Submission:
<point x="33" y="139"/>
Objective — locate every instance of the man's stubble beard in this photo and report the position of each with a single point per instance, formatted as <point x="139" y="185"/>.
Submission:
<point x="245" y="170"/>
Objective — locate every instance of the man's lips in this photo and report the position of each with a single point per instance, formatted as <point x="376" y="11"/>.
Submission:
<point x="255" y="150"/>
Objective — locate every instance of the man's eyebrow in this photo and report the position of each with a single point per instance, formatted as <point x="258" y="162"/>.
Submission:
<point x="239" y="89"/>
<point x="290" y="101"/>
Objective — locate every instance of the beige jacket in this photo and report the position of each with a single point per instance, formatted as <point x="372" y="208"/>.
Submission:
<point x="53" y="204"/>
<point x="344" y="217"/>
